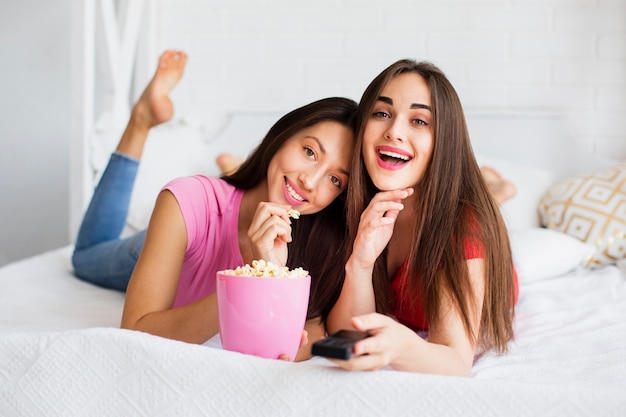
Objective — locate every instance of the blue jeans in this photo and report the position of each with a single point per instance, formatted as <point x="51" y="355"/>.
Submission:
<point x="100" y="256"/>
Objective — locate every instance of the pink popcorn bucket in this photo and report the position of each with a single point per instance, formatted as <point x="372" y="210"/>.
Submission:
<point x="262" y="316"/>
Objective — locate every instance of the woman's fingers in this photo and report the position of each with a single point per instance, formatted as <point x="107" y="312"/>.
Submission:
<point x="386" y="204"/>
<point x="273" y="228"/>
<point x="266" y="211"/>
<point x="269" y="232"/>
<point x="370" y="362"/>
<point x="375" y="351"/>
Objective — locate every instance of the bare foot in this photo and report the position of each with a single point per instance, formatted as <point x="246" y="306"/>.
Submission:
<point x="500" y="188"/>
<point x="228" y="163"/>
<point x="154" y="106"/>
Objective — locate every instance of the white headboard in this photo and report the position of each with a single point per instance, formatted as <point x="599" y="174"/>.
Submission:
<point x="539" y="139"/>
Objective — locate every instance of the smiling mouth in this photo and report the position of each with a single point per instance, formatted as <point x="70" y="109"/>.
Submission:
<point x="293" y="193"/>
<point x="393" y="157"/>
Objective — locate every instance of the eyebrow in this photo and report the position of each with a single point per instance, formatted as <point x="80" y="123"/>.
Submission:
<point x="323" y="150"/>
<point x="412" y="106"/>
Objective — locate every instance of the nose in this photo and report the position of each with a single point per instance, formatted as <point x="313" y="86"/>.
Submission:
<point x="310" y="178"/>
<point x="395" y="131"/>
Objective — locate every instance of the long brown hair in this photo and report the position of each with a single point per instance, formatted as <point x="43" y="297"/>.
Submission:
<point x="455" y="207"/>
<point x="317" y="239"/>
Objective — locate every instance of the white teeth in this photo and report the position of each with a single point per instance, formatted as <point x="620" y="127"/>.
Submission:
<point x="394" y="155"/>
<point x="293" y="193"/>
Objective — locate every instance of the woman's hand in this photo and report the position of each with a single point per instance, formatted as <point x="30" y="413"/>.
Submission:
<point x="375" y="230"/>
<point x="269" y="233"/>
<point x="313" y="331"/>
<point x="448" y="351"/>
<point x="304" y="341"/>
<point x="376" y="226"/>
<point x="389" y="342"/>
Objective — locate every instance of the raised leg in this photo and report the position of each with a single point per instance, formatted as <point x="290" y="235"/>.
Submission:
<point x="100" y="256"/>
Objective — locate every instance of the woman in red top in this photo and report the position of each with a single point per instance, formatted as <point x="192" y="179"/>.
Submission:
<point x="430" y="248"/>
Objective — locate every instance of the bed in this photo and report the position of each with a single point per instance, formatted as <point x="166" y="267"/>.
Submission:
<point x="62" y="355"/>
<point x="62" y="352"/>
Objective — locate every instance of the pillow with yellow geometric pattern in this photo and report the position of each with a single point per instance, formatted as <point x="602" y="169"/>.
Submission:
<point x="591" y="208"/>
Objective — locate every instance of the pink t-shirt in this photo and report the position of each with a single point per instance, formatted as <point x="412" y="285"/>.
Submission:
<point x="210" y="208"/>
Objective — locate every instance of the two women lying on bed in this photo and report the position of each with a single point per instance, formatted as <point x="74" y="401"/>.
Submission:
<point x="409" y="167"/>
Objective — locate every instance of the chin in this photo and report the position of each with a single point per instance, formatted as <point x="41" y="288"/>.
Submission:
<point x="386" y="186"/>
<point x="387" y="182"/>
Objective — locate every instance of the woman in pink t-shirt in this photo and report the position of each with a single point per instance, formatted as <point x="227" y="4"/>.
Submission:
<point x="430" y="249"/>
<point x="201" y="225"/>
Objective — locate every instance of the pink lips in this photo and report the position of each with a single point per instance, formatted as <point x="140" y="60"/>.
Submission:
<point x="397" y="162"/>
<point x="288" y="195"/>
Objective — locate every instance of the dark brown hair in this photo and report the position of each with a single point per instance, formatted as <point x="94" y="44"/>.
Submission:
<point x="455" y="206"/>
<point x="317" y="239"/>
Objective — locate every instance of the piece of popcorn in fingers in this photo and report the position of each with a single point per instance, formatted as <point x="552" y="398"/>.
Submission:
<point x="293" y="213"/>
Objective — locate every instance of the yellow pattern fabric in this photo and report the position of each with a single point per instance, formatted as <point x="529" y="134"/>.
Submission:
<point x="591" y="208"/>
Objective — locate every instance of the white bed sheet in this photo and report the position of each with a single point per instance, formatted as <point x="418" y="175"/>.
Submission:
<point x="62" y="354"/>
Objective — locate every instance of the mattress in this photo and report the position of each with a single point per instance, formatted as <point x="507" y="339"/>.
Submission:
<point x="62" y="354"/>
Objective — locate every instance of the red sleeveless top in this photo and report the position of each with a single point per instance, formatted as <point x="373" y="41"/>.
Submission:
<point x="414" y="316"/>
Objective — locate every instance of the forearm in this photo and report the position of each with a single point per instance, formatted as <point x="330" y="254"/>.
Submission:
<point x="193" y="323"/>
<point x="396" y="345"/>
<point x="431" y="358"/>
<point x="356" y="298"/>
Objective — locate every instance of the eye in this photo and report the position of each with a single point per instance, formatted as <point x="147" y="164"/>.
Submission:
<point x="381" y="114"/>
<point x="419" y="122"/>
<point x="309" y="152"/>
<point x="335" y="181"/>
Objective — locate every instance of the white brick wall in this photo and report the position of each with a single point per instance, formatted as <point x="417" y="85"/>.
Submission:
<point x="511" y="56"/>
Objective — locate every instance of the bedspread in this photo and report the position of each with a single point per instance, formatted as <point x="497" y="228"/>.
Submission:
<point x="107" y="371"/>
<point x="62" y="354"/>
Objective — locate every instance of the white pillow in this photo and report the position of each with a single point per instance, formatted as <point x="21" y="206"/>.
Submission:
<point x="520" y="212"/>
<point x="540" y="253"/>
<point x="177" y="149"/>
<point x="171" y="151"/>
<point x="243" y="132"/>
<point x="621" y="264"/>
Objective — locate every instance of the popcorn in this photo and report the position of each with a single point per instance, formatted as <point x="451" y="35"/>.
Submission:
<point x="263" y="268"/>
<point x="293" y="213"/>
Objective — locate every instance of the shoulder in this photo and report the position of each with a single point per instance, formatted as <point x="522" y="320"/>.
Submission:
<point x="472" y="234"/>
<point x="202" y="194"/>
<point x="194" y="181"/>
<point x="202" y="184"/>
